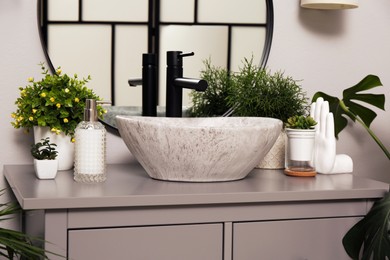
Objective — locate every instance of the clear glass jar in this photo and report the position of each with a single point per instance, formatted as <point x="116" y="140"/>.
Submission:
<point x="90" y="152"/>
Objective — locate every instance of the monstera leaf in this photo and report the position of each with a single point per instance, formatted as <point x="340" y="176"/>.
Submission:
<point x="347" y="107"/>
<point x="371" y="233"/>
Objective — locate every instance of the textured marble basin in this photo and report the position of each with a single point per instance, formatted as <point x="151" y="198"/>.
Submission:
<point x="113" y="111"/>
<point x="198" y="149"/>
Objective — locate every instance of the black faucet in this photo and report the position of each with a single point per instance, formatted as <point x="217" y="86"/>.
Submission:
<point x="149" y="84"/>
<point x="176" y="82"/>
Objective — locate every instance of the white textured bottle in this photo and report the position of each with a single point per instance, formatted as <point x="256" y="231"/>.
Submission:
<point x="90" y="147"/>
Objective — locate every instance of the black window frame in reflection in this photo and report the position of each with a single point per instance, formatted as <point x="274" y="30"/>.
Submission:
<point x="153" y="25"/>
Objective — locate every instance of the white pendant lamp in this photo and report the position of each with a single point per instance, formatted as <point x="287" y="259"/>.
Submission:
<point x="329" y="4"/>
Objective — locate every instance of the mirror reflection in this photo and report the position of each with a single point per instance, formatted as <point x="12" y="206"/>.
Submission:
<point x="106" y="39"/>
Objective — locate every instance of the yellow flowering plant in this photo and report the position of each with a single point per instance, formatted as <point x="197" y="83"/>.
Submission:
<point x="56" y="101"/>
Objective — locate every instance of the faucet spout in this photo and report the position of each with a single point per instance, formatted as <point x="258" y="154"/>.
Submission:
<point x="176" y="82"/>
<point x="197" y="84"/>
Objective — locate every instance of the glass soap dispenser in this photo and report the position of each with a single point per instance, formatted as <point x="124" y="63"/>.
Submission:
<point x="90" y="147"/>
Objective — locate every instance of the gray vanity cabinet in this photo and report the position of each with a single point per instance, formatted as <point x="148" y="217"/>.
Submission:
<point x="173" y="242"/>
<point x="130" y="216"/>
<point x="291" y="240"/>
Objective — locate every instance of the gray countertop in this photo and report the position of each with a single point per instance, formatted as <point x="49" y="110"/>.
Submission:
<point x="129" y="186"/>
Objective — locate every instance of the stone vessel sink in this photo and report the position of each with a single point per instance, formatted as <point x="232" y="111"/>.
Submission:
<point x="198" y="149"/>
<point x="113" y="111"/>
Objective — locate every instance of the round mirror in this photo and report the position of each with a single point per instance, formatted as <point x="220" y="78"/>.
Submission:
<point x="106" y="39"/>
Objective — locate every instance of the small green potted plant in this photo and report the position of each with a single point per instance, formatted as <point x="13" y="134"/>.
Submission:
<point x="45" y="159"/>
<point x="300" y="132"/>
<point x="53" y="106"/>
<point x="301" y="122"/>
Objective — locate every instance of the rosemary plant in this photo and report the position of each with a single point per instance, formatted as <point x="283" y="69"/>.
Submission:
<point x="213" y="101"/>
<point x="258" y="92"/>
<point x="252" y="91"/>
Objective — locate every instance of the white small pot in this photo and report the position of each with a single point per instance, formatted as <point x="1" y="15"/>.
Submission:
<point x="46" y="169"/>
<point x="300" y="144"/>
<point x="299" y="152"/>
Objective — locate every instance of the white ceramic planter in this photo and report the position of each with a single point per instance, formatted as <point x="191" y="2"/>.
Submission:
<point x="299" y="152"/>
<point x="64" y="147"/>
<point x="46" y="169"/>
<point x="276" y="156"/>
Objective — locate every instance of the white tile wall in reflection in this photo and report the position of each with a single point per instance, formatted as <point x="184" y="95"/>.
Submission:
<point x="177" y="11"/>
<point x="131" y="42"/>
<point x="206" y="41"/>
<point x="85" y="50"/>
<point x="246" y="42"/>
<point x="60" y="10"/>
<point x="115" y="10"/>
<point x="232" y="11"/>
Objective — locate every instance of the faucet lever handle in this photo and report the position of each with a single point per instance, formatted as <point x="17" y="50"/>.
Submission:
<point x="134" y="82"/>
<point x="103" y="102"/>
<point x="181" y="55"/>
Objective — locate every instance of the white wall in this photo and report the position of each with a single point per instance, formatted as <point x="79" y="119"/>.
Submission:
<point x="333" y="50"/>
<point x="20" y="53"/>
<point x="328" y="50"/>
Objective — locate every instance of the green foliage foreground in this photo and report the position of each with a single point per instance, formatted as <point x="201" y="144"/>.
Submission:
<point x="371" y="234"/>
<point x="15" y="244"/>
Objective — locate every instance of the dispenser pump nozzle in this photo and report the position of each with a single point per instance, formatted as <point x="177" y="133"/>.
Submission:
<point x="90" y="110"/>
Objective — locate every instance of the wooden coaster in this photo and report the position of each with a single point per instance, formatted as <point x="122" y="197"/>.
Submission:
<point x="300" y="173"/>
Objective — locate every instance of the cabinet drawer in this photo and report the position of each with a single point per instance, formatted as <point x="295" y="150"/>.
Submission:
<point x="149" y="242"/>
<point x="291" y="240"/>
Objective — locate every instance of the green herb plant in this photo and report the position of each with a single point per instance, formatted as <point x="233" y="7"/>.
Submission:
<point x="213" y="101"/>
<point x="252" y="91"/>
<point x="57" y="101"/>
<point x="258" y="92"/>
<point x="300" y="122"/>
<point x="44" y="150"/>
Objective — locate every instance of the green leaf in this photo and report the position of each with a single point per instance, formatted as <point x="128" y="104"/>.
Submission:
<point x="366" y="114"/>
<point x="371" y="233"/>
<point x="356" y="112"/>
<point x="369" y="82"/>
<point x="377" y="100"/>
<point x="352" y="108"/>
